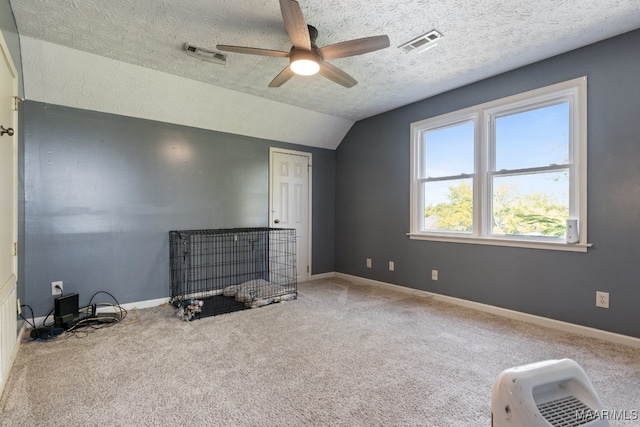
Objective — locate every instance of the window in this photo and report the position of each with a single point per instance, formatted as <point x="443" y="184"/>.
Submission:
<point x="509" y="172"/>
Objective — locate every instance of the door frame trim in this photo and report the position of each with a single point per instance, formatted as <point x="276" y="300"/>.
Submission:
<point x="10" y="286"/>
<point x="309" y="157"/>
<point x="5" y="55"/>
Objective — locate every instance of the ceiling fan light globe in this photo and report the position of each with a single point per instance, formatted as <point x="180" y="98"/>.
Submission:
<point x="305" y="67"/>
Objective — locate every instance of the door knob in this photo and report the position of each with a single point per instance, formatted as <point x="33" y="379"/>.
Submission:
<point x="277" y="221"/>
<point x="3" y="131"/>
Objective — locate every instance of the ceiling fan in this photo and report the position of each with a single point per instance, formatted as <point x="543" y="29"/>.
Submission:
<point x="305" y="57"/>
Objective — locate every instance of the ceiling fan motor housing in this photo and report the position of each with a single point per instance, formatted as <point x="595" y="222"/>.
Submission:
<point x="304" y="62"/>
<point x="313" y="35"/>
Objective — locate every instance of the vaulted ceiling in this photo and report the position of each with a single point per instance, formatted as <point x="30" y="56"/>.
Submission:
<point x="480" y="39"/>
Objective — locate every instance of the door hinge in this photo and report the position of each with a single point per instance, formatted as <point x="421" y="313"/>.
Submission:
<point x="15" y="248"/>
<point x="307" y="269"/>
<point x="16" y="102"/>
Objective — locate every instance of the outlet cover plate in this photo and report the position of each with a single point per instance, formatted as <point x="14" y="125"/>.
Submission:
<point x="602" y="299"/>
<point x="55" y="290"/>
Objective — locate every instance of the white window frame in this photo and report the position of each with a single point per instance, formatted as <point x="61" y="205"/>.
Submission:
<point x="575" y="93"/>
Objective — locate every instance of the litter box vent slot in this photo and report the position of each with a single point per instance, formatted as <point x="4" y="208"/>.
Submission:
<point x="562" y="412"/>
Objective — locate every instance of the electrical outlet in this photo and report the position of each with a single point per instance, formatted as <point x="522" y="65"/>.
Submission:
<point x="392" y="266"/>
<point x="56" y="288"/>
<point x="19" y="307"/>
<point x="434" y="274"/>
<point x="368" y="262"/>
<point x="602" y="299"/>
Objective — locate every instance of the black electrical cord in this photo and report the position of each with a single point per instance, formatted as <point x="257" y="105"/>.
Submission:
<point x="89" y="321"/>
<point x="123" y="312"/>
<point x="103" y="292"/>
<point x="95" y="321"/>
<point x="33" y="320"/>
<point x="33" y="323"/>
<point x="44" y="322"/>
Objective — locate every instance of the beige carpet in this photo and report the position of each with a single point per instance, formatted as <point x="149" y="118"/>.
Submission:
<point x="342" y="354"/>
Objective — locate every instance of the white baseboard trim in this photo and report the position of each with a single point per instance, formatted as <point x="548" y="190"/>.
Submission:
<point x="141" y="304"/>
<point x="321" y="276"/>
<point x="511" y="314"/>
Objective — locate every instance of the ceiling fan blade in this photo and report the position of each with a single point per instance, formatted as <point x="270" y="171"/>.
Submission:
<point x="354" y="47"/>
<point x="252" y="50"/>
<point x="295" y="24"/>
<point x="282" y="77"/>
<point x="336" y="75"/>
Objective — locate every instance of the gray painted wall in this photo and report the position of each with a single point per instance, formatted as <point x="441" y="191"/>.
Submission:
<point x="102" y="191"/>
<point x="372" y="202"/>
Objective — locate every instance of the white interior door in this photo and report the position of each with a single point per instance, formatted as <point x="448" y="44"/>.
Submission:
<point x="8" y="212"/>
<point x="290" y="201"/>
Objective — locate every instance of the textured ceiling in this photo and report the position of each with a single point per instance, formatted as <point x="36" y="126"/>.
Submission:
<point x="482" y="38"/>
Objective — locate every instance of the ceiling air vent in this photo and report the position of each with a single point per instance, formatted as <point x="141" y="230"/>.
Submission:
<point x="422" y="43"/>
<point x="205" y="54"/>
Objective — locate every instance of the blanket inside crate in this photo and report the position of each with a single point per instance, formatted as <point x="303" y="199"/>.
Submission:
<point x="259" y="292"/>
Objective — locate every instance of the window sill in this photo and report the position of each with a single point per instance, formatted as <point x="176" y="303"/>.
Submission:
<point x="520" y="243"/>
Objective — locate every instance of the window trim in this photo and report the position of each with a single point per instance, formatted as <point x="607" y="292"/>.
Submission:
<point x="575" y="91"/>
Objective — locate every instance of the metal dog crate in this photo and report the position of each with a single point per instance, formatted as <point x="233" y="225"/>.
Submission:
<point x="223" y="270"/>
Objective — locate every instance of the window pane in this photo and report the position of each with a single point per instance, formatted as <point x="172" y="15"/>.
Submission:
<point x="448" y="205"/>
<point x="531" y="205"/>
<point x="449" y="151"/>
<point x="533" y="138"/>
